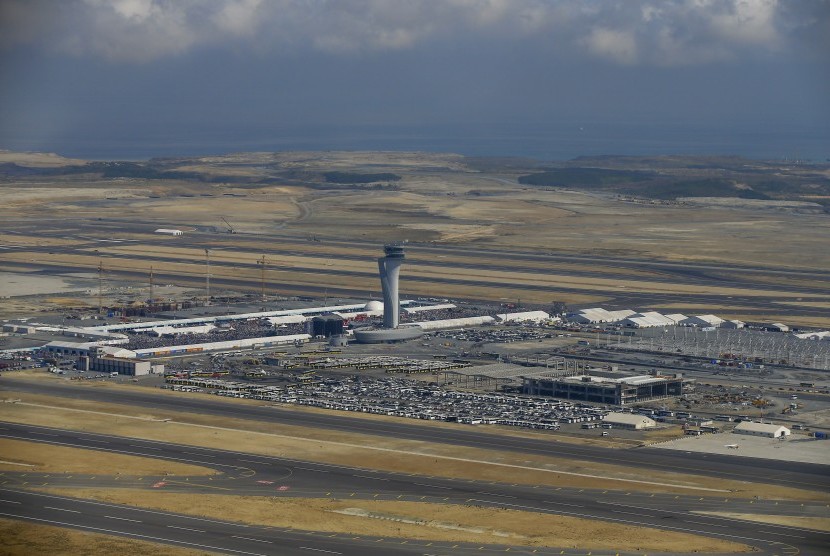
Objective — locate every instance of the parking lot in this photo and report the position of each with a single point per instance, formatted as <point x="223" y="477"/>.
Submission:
<point x="401" y="397"/>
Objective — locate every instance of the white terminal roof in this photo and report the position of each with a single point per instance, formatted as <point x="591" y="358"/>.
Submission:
<point x="176" y="330"/>
<point x="534" y="316"/>
<point x="219" y="346"/>
<point x="244" y="316"/>
<point x="288" y="319"/>
<point x="454" y="323"/>
<point x="420" y="308"/>
<point x="353" y="314"/>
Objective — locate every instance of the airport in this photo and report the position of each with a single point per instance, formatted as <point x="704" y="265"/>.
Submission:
<point x="367" y="371"/>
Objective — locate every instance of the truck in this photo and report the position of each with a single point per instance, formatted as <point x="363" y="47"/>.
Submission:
<point x="113" y="374"/>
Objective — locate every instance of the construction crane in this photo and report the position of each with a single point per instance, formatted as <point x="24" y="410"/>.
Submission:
<point x="100" y="286"/>
<point x="228" y="224"/>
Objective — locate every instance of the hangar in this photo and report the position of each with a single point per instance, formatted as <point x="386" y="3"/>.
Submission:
<point x="630" y="421"/>
<point x="767" y="430"/>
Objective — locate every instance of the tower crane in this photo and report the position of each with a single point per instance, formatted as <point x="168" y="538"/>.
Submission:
<point x="228" y="224"/>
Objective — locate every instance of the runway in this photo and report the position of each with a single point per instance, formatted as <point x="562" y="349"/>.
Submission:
<point x="681" y="274"/>
<point x="256" y="475"/>
<point x="799" y="475"/>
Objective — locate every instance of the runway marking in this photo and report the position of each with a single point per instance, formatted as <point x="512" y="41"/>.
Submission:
<point x="105" y="505"/>
<point x="124" y="518"/>
<point x="310" y="469"/>
<point x="368" y="477"/>
<point x="61" y="509"/>
<point x="115" y="451"/>
<point x="433" y="486"/>
<point x="781" y="534"/>
<point x="632" y="513"/>
<point x="10" y="501"/>
<point x="708" y="524"/>
<point x="562" y="503"/>
<point x="136" y="535"/>
<point x="94" y="440"/>
<point x="145" y="447"/>
<point x="252" y="461"/>
<point x="591" y="516"/>
<point x="407" y="452"/>
<point x="495" y="494"/>
<point x="195" y="485"/>
<point x="253" y="540"/>
<point x="198" y="454"/>
<point x="186" y="529"/>
<point x="319" y="550"/>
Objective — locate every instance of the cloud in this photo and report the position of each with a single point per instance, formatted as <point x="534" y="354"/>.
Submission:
<point x="626" y="32"/>
<point x="618" y="45"/>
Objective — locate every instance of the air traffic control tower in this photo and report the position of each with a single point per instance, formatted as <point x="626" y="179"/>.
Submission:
<point x="390" y="269"/>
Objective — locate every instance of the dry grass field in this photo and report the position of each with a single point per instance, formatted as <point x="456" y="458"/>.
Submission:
<point x="36" y="457"/>
<point x="280" y="206"/>
<point x="415" y="520"/>
<point x="310" y="444"/>
<point x="18" y="538"/>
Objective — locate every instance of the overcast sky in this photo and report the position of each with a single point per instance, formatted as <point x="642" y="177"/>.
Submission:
<point x="106" y="68"/>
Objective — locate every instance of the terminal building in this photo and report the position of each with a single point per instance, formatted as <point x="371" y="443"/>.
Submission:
<point x="604" y="390"/>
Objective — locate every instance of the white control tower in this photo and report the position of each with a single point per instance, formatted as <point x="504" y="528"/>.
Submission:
<point x="390" y="269"/>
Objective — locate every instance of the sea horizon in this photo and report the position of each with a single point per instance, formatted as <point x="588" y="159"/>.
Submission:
<point x="542" y="142"/>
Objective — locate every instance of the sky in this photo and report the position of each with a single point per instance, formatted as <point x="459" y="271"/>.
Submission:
<point x="94" y="72"/>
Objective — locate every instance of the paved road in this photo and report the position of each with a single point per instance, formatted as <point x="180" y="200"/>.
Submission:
<point x="801" y="475"/>
<point x="251" y="475"/>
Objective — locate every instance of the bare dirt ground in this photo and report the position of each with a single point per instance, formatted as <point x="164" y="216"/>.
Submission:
<point x="18" y="538"/>
<point x="19" y="455"/>
<point x="415" y="520"/>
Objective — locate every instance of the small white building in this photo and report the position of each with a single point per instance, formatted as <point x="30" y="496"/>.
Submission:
<point x="733" y="324"/>
<point x="630" y="421"/>
<point x="767" y="430"/>
<point x="777" y="327"/>
<point x="169" y="231"/>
